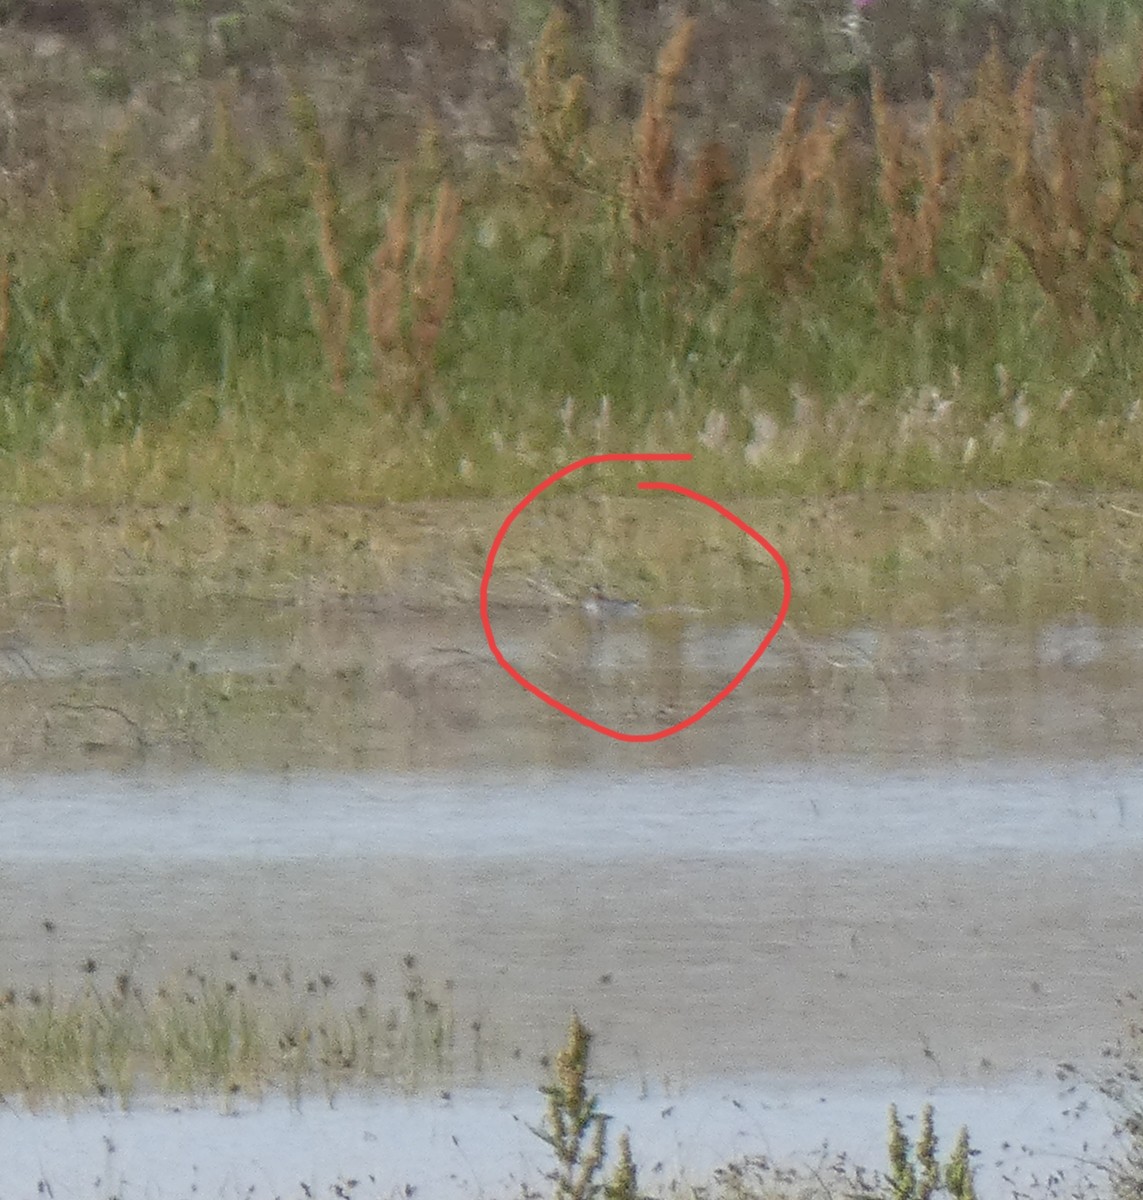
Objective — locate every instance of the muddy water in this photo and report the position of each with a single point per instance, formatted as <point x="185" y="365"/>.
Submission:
<point x="944" y="924"/>
<point x="380" y="686"/>
<point x="894" y="865"/>
<point x="915" y="852"/>
<point x="937" y="924"/>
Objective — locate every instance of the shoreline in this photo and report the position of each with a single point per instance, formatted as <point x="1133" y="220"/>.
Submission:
<point x="1030" y="555"/>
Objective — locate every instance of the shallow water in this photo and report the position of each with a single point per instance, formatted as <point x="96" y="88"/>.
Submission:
<point x="385" y="688"/>
<point x="954" y="921"/>
<point x="478" y="1142"/>
<point x="903" y="856"/>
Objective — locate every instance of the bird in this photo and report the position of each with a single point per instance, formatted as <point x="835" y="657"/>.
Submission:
<point x="600" y="606"/>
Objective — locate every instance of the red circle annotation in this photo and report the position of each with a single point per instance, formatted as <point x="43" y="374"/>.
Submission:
<point x="645" y="485"/>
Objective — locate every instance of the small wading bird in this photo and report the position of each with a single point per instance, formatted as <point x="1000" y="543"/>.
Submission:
<point x="601" y="607"/>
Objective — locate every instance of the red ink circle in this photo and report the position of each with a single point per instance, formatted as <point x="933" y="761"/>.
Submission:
<point x="567" y="710"/>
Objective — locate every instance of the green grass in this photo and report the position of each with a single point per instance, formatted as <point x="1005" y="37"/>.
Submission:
<point x="202" y="1036"/>
<point x="161" y="349"/>
<point x="160" y="374"/>
<point x="248" y="1033"/>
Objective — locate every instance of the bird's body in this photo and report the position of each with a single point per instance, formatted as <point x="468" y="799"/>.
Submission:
<point x="601" y="607"/>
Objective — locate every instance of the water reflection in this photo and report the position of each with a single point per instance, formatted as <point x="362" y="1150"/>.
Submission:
<point x="381" y="686"/>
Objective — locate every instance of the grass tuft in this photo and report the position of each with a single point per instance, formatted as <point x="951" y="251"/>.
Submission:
<point x="195" y="1034"/>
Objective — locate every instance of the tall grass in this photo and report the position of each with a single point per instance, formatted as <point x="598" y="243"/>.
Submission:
<point x="956" y="301"/>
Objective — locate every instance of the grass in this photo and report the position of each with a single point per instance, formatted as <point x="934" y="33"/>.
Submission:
<point x="950" y="304"/>
<point x="1008" y="555"/>
<point x="212" y="1038"/>
<point x="576" y="1130"/>
<point x="247" y="1034"/>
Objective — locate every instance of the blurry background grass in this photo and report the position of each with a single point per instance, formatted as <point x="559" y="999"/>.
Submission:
<point x="930" y="279"/>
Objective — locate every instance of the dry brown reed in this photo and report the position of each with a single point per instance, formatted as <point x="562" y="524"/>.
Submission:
<point x="912" y="186"/>
<point x="986" y="126"/>
<point x="704" y="205"/>
<point x="413" y="272"/>
<point x="410" y="281"/>
<point x="1129" y="227"/>
<point x="674" y="214"/>
<point x="677" y="215"/>
<point x="1066" y="195"/>
<point x="1075" y="197"/>
<point x="331" y="307"/>
<point x="796" y="198"/>
<point x="1041" y="218"/>
<point x="650" y="190"/>
<point x="386" y="280"/>
<point x="554" y="145"/>
<point x="434" y="278"/>
<point x="985" y="134"/>
<point x="938" y="167"/>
